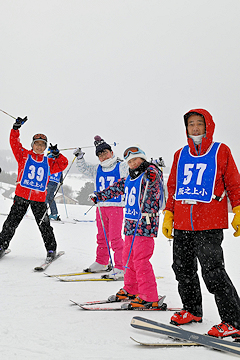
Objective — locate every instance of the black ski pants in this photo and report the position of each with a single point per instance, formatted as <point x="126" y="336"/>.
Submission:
<point x="188" y="246"/>
<point x="17" y="212"/>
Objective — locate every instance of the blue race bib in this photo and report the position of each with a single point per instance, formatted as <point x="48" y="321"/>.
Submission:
<point x="35" y="174"/>
<point x="55" y="177"/>
<point x="132" y="190"/>
<point x="106" y="179"/>
<point x="196" y="175"/>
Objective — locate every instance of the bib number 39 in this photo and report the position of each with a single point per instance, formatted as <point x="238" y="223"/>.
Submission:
<point x="32" y="174"/>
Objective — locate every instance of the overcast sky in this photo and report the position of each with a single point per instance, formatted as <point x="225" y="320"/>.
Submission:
<point x="124" y="69"/>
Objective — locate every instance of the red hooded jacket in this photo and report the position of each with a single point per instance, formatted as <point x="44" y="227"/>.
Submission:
<point x="21" y="155"/>
<point x="213" y="215"/>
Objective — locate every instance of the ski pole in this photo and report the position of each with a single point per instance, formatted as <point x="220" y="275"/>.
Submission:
<point x="8" y="114"/>
<point x="100" y="213"/>
<point x="85" y="147"/>
<point x="64" y="202"/>
<point x="135" y="231"/>
<point x="89" y="209"/>
<point x="59" y="185"/>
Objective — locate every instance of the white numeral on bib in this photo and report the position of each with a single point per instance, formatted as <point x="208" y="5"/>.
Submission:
<point x="32" y="173"/>
<point x="131" y="198"/>
<point x="189" y="173"/>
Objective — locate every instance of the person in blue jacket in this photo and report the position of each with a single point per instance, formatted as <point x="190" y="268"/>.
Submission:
<point x="54" y="180"/>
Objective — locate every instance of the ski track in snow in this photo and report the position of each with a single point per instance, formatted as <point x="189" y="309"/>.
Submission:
<point x="39" y="322"/>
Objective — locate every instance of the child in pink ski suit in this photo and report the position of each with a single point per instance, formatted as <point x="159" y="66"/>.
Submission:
<point x="106" y="173"/>
<point x="139" y="279"/>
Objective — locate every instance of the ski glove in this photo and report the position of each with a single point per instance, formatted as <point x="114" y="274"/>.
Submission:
<point x="236" y="221"/>
<point x="54" y="150"/>
<point x="93" y="197"/>
<point x="19" y="122"/>
<point x="151" y="174"/>
<point x="167" y="224"/>
<point x="79" y="153"/>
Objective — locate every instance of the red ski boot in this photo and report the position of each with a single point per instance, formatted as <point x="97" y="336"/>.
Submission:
<point x="184" y="317"/>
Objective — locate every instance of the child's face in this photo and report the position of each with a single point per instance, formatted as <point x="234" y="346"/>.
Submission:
<point x="135" y="163"/>
<point x="39" y="146"/>
<point x="105" y="154"/>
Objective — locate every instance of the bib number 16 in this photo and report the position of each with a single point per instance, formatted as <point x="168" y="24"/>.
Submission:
<point x="131" y="197"/>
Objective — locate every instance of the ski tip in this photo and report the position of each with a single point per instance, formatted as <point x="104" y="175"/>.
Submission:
<point x="136" y="318"/>
<point x="134" y="340"/>
<point x="73" y="302"/>
<point x="7" y="251"/>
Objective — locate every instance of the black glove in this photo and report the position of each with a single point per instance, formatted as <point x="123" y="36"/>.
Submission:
<point x="19" y="122"/>
<point x="93" y="197"/>
<point x="54" y="150"/>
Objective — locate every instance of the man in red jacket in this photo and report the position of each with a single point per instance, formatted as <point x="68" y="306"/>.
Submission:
<point x="33" y="175"/>
<point x="203" y="174"/>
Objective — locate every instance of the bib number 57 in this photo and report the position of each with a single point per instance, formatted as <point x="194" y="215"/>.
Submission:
<point x="188" y="173"/>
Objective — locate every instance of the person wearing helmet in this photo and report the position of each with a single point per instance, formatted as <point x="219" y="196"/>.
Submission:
<point x="31" y="186"/>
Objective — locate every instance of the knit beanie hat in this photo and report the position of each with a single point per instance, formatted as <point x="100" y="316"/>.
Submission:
<point x="101" y="144"/>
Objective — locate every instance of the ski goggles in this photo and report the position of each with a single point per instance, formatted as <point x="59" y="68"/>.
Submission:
<point x="132" y="150"/>
<point x="39" y="137"/>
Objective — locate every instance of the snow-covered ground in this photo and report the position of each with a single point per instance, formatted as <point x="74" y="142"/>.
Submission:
<point x="39" y="322"/>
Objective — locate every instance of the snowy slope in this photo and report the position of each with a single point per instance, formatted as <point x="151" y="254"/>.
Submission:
<point x="38" y="322"/>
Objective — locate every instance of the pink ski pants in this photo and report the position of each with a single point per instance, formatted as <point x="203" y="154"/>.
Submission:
<point x="113" y="220"/>
<point x="139" y="278"/>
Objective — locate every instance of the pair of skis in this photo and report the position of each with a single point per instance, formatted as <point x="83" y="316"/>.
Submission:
<point x="74" y="277"/>
<point x="77" y="277"/>
<point x="62" y="221"/>
<point x="115" y="305"/>
<point x="182" y="337"/>
<point x="188" y="338"/>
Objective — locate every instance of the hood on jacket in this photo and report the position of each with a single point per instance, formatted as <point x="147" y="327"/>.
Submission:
<point x="208" y="138"/>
